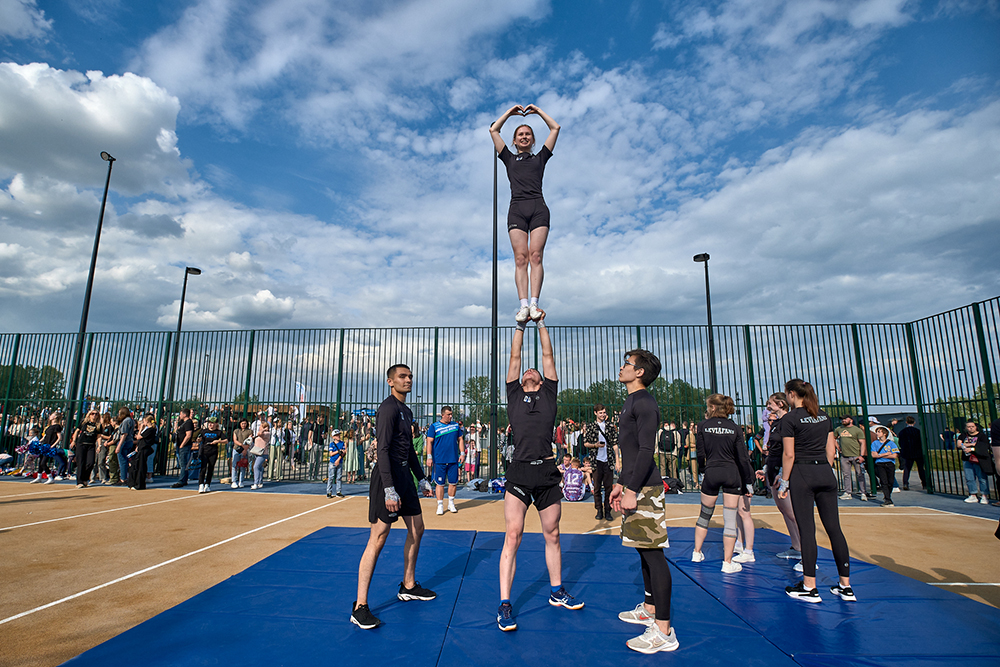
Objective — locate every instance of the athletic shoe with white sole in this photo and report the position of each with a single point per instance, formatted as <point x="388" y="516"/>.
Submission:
<point x="738" y="548"/>
<point x="846" y="496"/>
<point x="522" y="315"/>
<point x="534" y="311"/>
<point x="697" y="556"/>
<point x="363" y="617"/>
<point x="234" y="485"/>
<point x="505" y="617"/>
<point x="440" y="509"/>
<point x="800" y="592"/>
<point x="984" y="501"/>
<point x="798" y="567"/>
<point x="731" y="568"/>
<point x="863" y="498"/>
<point x="418" y="592"/>
<point x="653" y="641"/>
<point x="452" y="508"/>
<point x="563" y="599"/>
<point x="844" y="593"/>
<point x="745" y="557"/>
<point x="638" y="616"/>
<point x="972" y="499"/>
<point x="790" y="554"/>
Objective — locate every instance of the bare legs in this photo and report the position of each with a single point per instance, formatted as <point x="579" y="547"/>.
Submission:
<point x="514" y="511"/>
<point x="528" y="251"/>
<point x="376" y="540"/>
<point x="785" y="507"/>
<point x="744" y="526"/>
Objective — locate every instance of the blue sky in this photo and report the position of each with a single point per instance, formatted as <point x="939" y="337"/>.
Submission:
<point x="328" y="163"/>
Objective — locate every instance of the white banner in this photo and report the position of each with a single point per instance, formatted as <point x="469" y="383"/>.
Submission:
<point x="300" y="389"/>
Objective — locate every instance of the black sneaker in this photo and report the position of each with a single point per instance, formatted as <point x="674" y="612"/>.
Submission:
<point x="175" y="485"/>
<point x="416" y="593"/>
<point x="845" y="593"/>
<point x="800" y="592"/>
<point x="600" y="515"/>
<point x="609" y="515"/>
<point x="363" y="617"/>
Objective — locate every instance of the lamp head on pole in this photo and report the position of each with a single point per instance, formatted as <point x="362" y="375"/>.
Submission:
<point x="193" y="271"/>
<point x="107" y="157"/>
<point x="701" y="257"/>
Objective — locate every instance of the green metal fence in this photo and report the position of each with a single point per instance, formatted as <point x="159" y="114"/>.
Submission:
<point x="940" y="369"/>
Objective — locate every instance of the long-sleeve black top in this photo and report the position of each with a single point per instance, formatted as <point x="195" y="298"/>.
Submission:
<point x="720" y="442"/>
<point x="637" y="441"/>
<point x="394" y="440"/>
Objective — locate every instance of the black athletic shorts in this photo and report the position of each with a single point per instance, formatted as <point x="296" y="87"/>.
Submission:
<point x="534" y="481"/>
<point x="409" y="499"/>
<point x="726" y="478"/>
<point x="527" y="214"/>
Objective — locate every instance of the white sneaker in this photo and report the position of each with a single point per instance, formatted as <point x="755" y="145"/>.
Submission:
<point x="863" y="498"/>
<point x="523" y="314"/>
<point x="790" y="554"/>
<point x="208" y="488"/>
<point x="242" y="485"/>
<point x="846" y="496"/>
<point x="638" y="616"/>
<point x="452" y="508"/>
<point x="984" y="501"/>
<point x="59" y="478"/>
<point x="653" y="641"/>
<point x="534" y="311"/>
<point x="234" y="485"/>
<point x="731" y="568"/>
<point x="798" y="566"/>
<point x="37" y="480"/>
<point x="697" y="556"/>
<point x="972" y="499"/>
<point x="745" y="557"/>
<point x="738" y="548"/>
<point x="201" y="488"/>
<point x="52" y="480"/>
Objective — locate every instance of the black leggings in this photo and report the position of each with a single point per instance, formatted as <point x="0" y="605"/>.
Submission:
<point x="84" y="462"/>
<point x="209" y="454"/>
<point x="656" y="580"/>
<point x="816" y="483"/>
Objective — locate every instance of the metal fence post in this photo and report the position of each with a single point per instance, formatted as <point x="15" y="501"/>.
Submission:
<point x="246" y="388"/>
<point x="340" y="381"/>
<point x="752" y="379"/>
<point x="863" y="395"/>
<point x="984" y="360"/>
<point x="919" y="400"/>
<point x="638" y="337"/>
<point x="435" y="399"/>
<point x="10" y="385"/>
<point x="84" y="372"/>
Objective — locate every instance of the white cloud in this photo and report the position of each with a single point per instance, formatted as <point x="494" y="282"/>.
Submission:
<point x="22" y="19"/>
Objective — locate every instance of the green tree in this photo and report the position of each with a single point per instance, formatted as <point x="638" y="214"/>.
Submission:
<point x="841" y="408"/>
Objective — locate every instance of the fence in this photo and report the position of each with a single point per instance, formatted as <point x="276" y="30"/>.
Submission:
<point x="939" y="369"/>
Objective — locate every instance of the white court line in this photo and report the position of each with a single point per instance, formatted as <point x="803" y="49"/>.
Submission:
<point x="166" y="562"/>
<point x="65" y="487"/>
<point x="971" y="516"/>
<point x="960" y="583"/>
<point x="80" y="516"/>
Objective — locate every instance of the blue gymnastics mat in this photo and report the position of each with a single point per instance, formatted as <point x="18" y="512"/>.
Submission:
<point x="293" y="609"/>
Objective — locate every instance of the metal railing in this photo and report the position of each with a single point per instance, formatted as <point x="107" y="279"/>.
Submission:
<point x="940" y="369"/>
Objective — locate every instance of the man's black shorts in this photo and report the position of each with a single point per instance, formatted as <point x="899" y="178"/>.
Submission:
<point x="726" y="478"/>
<point x="527" y="214"/>
<point x="409" y="499"/>
<point x="536" y="482"/>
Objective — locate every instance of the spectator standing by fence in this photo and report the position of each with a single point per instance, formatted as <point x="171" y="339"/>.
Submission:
<point x="601" y="437"/>
<point x="885" y="452"/>
<point x="84" y="442"/>
<point x="126" y="442"/>
<point x="910" y="452"/>
<point x="335" y="469"/>
<point x="183" y="433"/>
<point x="144" y="445"/>
<point x="851" y="449"/>
<point x="977" y="463"/>
<point x="242" y="437"/>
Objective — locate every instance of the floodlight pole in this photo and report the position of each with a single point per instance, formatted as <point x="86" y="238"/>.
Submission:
<point x="704" y="257"/>
<point x="494" y="341"/>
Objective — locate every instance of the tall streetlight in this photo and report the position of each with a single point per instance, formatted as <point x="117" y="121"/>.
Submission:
<point x="494" y="340"/>
<point x="188" y="271"/>
<point x="74" y="384"/>
<point x="703" y="257"/>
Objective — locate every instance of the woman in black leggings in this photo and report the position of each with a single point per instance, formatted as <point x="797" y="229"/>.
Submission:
<point x="808" y="448"/>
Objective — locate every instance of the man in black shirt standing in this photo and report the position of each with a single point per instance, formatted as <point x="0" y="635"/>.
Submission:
<point x="532" y="475"/>
<point x="640" y="497"/>
<point x="911" y="451"/>
<point x="182" y="438"/>
<point x="392" y="494"/>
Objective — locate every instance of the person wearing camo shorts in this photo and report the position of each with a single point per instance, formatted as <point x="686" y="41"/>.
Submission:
<point x="639" y="496"/>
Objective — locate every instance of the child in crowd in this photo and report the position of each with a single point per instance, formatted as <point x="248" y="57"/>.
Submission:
<point x="573" y="482"/>
<point x="885" y="452"/>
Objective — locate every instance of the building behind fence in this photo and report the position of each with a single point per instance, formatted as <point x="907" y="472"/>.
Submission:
<point x="941" y="369"/>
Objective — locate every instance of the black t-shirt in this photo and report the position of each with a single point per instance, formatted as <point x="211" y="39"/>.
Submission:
<point x="909" y="443"/>
<point x="810" y="433"/>
<point x="212" y="438"/>
<point x="775" y="448"/>
<point x="319" y="434"/>
<point x="147" y="436"/>
<point x="995" y="433"/>
<point x="394" y="440"/>
<point x="304" y="432"/>
<point x="186" y="426"/>
<point x="720" y="443"/>
<point x="637" y="441"/>
<point x="51" y="435"/>
<point x="88" y="433"/>
<point x="525" y="171"/>
<point x="532" y="417"/>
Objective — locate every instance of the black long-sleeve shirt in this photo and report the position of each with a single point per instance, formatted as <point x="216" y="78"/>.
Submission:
<point x="394" y="440"/>
<point x="719" y="442"/>
<point x="637" y="441"/>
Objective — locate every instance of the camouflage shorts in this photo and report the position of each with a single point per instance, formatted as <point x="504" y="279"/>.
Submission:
<point x="646" y="527"/>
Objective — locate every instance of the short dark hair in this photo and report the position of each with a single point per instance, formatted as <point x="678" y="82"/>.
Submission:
<point x="911" y="420"/>
<point x="392" y="369"/>
<point x="647" y="362"/>
<point x="446" y="408"/>
<point x="598" y="407"/>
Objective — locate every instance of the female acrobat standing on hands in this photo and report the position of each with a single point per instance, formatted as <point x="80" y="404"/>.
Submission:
<point x="528" y="216"/>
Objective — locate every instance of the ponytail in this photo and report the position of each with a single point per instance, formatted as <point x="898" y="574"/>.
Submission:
<point x="805" y="391"/>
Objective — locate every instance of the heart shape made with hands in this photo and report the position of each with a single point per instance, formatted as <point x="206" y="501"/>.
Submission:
<point x="524" y="109"/>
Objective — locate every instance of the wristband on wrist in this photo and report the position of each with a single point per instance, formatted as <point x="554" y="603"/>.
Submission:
<point x="391" y="495"/>
<point x="782" y="485"/>
<point x="519" y="326"/>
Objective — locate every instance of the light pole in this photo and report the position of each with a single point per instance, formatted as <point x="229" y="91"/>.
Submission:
<point x="703" y="257"/>
<point x="494" y="341"/>
<point x="74" y="384"/>
<point x="188" y="271"/>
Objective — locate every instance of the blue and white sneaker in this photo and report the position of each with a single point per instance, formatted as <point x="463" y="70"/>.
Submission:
<point x="505" y="617"/>
<point x="563" y="599"/>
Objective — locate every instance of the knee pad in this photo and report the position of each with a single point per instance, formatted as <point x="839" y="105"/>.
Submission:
<point x="729" y="522"/>
<point x="706" y="516"/>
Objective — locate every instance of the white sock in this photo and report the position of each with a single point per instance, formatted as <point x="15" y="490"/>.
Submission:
<point x="440" y="503"/>
<point x="524" y="302"/>
<point x="451" y="500"/>
<point x="534" y="301"/>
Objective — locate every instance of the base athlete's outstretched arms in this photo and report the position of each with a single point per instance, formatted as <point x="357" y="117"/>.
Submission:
<point x="516" y="110"/>
<point x="548" y="358"/>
